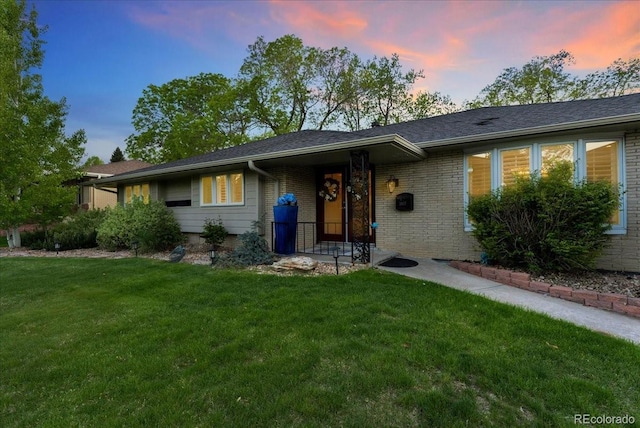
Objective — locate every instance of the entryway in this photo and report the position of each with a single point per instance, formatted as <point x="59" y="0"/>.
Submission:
<point x="334" y="208"/>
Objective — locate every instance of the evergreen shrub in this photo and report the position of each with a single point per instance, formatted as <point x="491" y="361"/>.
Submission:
<point x="545" y="223"/>
<point x="214" y="232"/>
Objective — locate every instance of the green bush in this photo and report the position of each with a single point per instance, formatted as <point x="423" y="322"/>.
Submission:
<point x="152" y="225"/>
<point x="79" y="230"/>
<point x="34" y="240"/>
<point x="545" y="223"/>
<point x="253" y="250"/>
<point x="214" y="232"/>
<point x="76" y="231"/>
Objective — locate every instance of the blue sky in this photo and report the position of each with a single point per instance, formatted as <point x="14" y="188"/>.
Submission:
<point x="101" y="55"/>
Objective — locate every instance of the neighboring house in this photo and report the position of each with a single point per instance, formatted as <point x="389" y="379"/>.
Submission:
<point x="419" y="176"/>
<point x="90" y="197"/>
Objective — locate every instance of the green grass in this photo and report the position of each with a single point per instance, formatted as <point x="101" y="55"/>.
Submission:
<point x="136" y="342"/>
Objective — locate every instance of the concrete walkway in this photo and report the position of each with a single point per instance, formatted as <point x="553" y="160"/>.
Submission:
<point x="595" y="319"/>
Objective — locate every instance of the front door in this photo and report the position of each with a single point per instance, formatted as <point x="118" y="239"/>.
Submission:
<point x="331" y="206"/>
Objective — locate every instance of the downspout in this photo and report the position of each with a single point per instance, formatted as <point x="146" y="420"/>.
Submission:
<point x="276" y="185"/>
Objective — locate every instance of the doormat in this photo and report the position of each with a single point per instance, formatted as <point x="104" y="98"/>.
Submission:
<point x="399" y="263"/>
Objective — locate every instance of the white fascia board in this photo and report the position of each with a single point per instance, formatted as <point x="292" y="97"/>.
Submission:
<point x="567" y="126"/>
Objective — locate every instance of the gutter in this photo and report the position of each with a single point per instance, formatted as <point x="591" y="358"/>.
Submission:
<point x="276" y="184"/>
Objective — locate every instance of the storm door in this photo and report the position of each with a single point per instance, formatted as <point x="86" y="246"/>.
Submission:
<point x="331" y="208"/>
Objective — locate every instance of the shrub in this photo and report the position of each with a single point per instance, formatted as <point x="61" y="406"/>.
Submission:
<point x="253" y="250"/>
<point x="545" y="223"/>
<point x="76" y="231"/>
<point x="152" y="225"/>
<point x="214" y="232"/>
<point x="79" y="231"/>
<point x="34" y="240"/>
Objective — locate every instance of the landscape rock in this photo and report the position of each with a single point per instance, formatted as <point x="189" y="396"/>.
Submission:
<point x="295" y="263"/>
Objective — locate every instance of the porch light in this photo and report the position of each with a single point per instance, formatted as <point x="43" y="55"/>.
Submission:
<point x="392" y="183"/>
<point x="336" y="254"/>
<point x="212" y="255"/>
<point x="135" y="245"/>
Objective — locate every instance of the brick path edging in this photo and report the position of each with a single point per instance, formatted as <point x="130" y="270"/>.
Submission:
<point x="609" y="301"/>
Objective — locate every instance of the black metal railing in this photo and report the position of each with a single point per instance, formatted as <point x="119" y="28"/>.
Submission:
<point x="307" y="241"/>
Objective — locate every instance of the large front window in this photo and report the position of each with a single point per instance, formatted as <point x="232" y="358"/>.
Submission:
<point x="591" y="160"/>
<point x="222" y="189"/>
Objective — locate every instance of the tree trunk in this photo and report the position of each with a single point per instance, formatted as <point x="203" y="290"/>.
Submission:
<point x="13" y="237"/>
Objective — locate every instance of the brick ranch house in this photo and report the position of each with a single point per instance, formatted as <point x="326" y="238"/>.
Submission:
<point x="413" y="178"/>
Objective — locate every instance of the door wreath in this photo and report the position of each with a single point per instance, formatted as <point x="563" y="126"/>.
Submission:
<point x="330" y="189"/>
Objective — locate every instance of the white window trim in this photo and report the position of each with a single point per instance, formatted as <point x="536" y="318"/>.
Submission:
<point x="227" y="176"/>
<point x="579" y="156"/>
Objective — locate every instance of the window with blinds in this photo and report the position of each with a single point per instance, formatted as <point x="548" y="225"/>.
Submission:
<point x="479" y="174"/>
<point x="590" y="160"/>
<point x="602" y="164"/>
<point x="206" y="185"/>
<point x="602" y="161"/>
<point x="222" y="189"/>
<point x="139" y="191"/>
<point x="514" y="163"/>
<point x="554" y="154"/>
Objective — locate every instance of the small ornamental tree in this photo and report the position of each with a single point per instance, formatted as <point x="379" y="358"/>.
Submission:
<point x="545" y="223"/>
<point x="214" y="232"/>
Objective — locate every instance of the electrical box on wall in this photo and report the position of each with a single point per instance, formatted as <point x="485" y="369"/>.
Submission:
<point x="404" y="202"/>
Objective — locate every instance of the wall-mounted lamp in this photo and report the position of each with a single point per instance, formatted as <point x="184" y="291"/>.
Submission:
<point x="392" y="183"/>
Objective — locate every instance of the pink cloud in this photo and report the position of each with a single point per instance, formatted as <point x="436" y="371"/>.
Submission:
<point x="200" y="24"/>
<point x="595" y="33"/>
<point x="341" y="22"/>
<point x="457" y="43"/>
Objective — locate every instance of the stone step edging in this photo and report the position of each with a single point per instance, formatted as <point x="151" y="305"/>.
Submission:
<point x="609" y="301"/>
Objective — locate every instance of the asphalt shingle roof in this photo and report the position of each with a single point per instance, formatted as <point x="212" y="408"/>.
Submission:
<point x="486" y="120"/>
<point x="118" y="167"/>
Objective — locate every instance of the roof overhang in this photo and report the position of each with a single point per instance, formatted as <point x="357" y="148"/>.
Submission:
<point x="601" y="124"/>
<point x="382" y="149"/>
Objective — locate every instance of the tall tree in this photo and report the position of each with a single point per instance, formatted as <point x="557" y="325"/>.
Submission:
<point x="187" y="117"/>
<point x="620" y="78"/>
<point x="388" y="89"/>
<point x="336" y="85"/>
<point x="35" y="154"/>
<point x="427" y="104"/>
<point x="541" y="80"/>
<point x="117" y="156"/>
<point x="279" y="75"/>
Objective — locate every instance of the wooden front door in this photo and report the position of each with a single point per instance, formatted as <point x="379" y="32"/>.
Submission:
<point x="331" y="206"/>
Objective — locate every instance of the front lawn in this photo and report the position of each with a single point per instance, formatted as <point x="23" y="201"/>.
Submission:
<point x="137" y="342"/>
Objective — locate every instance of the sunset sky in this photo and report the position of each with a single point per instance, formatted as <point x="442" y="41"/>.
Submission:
<point x="100" y="55"/>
